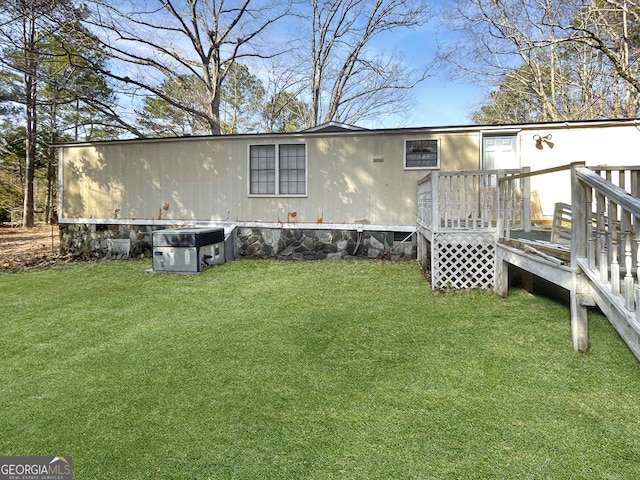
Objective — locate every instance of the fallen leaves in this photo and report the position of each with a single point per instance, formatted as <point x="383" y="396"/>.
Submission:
<point x="22" y="248"/>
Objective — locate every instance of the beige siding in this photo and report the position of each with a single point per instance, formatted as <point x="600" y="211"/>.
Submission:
<point x="352" y="178"/>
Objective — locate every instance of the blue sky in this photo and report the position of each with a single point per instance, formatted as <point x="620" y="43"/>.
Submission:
<point x="439" y="100"/>
<point x="442" y="102"/>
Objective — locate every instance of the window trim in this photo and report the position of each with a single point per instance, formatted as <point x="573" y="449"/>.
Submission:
<point x="277" y="193"/>
<point x="438" y="153"/>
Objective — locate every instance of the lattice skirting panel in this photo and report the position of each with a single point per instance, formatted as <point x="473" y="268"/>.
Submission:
<point x="463" y="260"/>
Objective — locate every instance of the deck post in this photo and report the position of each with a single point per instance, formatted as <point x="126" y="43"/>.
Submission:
<point x="435" y="201"/>
<point x="501" y="268"/>
<point x="526" y="200"/>
<point x="579" y="322"/>
<point x="579" y="218"/>
<point x="501" y="278"/>
<point x="500" y="214"/>
<point x="435" y="224"/>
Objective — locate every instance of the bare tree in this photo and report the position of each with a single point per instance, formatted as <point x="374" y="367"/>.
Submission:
<point x="512" y="39"/>
<point x="565" y="59"/>
<point x="349" y="80"/>
<point x="157" y="40"/>
<point x="612" y="28"/>
<point x="284" y="106"/>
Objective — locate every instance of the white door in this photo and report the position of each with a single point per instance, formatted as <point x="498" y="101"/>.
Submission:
<point x="499" y="152"/>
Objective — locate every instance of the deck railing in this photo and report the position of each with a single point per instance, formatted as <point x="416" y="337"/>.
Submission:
<point x="606" y="239"/>
<point x="605" y="250"/>
<point x="463" y="200"/>
<point x="461" y="214"/>
<point x="510" y="188"/>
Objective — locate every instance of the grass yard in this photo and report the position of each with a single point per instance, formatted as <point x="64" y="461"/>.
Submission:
<point x="306" y="370"/>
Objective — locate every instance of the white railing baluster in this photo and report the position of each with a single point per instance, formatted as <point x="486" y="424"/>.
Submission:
<point x="637" y="255"/>
<point x="459" y="203"/>
<point x="449" y="204"/>
<point x="483" y="199"/>
<point x="602" y="238"/>
<point x="445" y="201"/>
<point x="465" y="187"/>
<point x="615" y="242"/>
<point x="628" y="261"/>
<point x="474" y="200"/>
<point x="507" y="208"/>
<point x="462" y="200"/>
<point x="591" y="240"/>
<point x="488" y="202"/>
<point x="513" y="205"/>
<point x="454" y="199"/>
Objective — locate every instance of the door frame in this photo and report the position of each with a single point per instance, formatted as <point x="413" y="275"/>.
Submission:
<point x="512" y="133"/>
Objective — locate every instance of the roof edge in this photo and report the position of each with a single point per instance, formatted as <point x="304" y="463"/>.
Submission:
<point x="353" y="130"/>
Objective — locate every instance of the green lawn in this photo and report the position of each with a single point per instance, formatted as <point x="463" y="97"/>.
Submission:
<point x="315" y="370"/>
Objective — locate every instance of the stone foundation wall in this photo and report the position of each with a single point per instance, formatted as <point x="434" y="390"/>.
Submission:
<point x="285" y="244"/>
<point x="82" y="239"/>
<point x="298" y="244"/>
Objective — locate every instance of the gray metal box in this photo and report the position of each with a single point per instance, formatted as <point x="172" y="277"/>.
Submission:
<point x="187" y="250"/>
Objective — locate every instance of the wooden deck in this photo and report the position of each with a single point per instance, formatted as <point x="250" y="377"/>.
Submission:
<point x="472" y="226"/>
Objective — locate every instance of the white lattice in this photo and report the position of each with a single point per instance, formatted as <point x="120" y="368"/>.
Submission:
<point x="463" y="260"/>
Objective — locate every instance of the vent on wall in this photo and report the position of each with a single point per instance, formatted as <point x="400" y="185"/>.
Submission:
<point x="118" y="248"/>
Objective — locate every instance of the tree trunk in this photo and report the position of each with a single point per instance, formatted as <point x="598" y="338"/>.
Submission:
<point x="50" y="163"/>
<point x="214" y="113"/>
<point x="30" y="41"/>
<point x="317" y="48"/>
<point x="30" y="155"/>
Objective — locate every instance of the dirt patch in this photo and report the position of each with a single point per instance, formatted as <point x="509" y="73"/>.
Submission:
<point x="27" y="247"/>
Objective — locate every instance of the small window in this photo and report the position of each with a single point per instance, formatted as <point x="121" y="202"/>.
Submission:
<point x="279" y="169"/>
<point x="422" y="153"/>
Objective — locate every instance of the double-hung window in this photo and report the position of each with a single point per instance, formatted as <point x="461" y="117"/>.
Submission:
<point x="422" y="153"/>
<point x="278" y="169"/>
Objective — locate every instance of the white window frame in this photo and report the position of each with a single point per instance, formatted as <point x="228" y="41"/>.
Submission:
<point x="277" y="170"/>
<point x="438" y="153"/>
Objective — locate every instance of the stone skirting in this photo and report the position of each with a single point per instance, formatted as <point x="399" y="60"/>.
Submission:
<point x="299" y="244"/>
<point x="250" y="242"/>
<point x="96" y="239"/>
